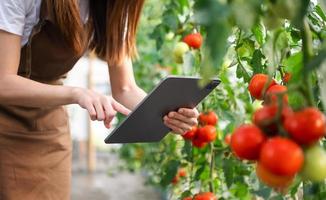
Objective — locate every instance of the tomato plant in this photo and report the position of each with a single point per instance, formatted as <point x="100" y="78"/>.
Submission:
<point x="270" y="58"/>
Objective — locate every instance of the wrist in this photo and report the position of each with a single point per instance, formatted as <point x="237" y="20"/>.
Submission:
<point x="74" y="95"/>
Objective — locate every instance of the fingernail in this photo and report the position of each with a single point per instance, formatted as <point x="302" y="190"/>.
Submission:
<point x="181" y="111"/>
<point x="171" y="114"/>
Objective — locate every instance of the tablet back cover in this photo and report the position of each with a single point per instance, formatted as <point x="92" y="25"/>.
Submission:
<point x="145" y="123"/>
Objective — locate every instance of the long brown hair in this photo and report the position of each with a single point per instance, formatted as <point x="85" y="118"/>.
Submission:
<point x="112" y="26"/>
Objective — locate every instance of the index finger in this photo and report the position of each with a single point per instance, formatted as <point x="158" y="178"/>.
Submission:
<point x="120" y="108"/>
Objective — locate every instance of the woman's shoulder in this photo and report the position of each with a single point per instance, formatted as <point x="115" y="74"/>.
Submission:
<point x="20" y="6"/>
<point x="19" y="16"/>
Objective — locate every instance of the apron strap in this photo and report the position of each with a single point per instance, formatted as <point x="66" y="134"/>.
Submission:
<point x="46" y="14"/>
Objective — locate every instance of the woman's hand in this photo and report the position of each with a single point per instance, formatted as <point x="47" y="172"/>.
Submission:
<point x="182" y="121"/>
<point x="99" y="107"/>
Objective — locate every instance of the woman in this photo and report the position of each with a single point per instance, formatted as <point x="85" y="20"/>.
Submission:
<point x="40" y="41"/>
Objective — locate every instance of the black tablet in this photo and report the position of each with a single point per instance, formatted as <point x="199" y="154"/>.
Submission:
<point x="145" y="123"/>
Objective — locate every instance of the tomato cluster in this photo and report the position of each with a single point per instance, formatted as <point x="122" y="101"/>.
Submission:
<point x="202" y="196"/>
<point x="205" y="133"/>
<point x="281" y="141"/>
<point x="193" y="40"/>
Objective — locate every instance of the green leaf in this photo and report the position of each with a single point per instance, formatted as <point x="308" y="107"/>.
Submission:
<point x="259" y="33"/>
<point x="186" y="193"/>
<point x="187" y="151"/>
<point x="228" y="169"/>
<point x="158" y="35"/>
<point x="294" y="65"/>
<point x="242" y="73"/>
<point x="263" y="191"/>
<point x="199" y="172"/>
<point x="241" y="190"/>
<point x="320" y="12"/>
<point x="170" y="19"/>
<point x="171" y="170"/>
<point x="256" y="62"/>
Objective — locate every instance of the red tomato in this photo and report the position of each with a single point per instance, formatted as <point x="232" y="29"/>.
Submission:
<point x="266" y="117"/>
<point x="175" y="180"/>
<point x="287" y="77"/>
<point x="257" y="85"/>
<point x="306" y="126"/>
<point x="205" y="196"/>
<point x="273" y="92"/>
<point x="198" y="143"/>
<point x="193" y="40"/>
<point x="246" y="142"/>
<point x="182" y="172"/>
<point x="209" y="118"/>
<point x="273" y="180"/>
<point x="190" y="134"/>
<point x="227" y="139"/>
<point x="207" y="133"/>
<point x="281" y="156"/>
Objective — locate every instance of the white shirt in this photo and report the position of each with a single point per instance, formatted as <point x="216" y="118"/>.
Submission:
<point x="20" y="16"/>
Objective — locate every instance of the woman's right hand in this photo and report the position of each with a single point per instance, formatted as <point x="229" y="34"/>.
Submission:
<point x="99" y="107"/>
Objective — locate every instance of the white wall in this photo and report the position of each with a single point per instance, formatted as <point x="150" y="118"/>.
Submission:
<point x="78" y="117"/>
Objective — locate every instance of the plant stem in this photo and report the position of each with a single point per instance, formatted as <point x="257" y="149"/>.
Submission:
<point x="192" y="167"/>
<point x="211" y="172"/>
<point x="306" y="42"/>
<point x="307" y="55"/>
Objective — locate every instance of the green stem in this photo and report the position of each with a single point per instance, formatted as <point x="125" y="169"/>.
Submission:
<point x="211" y="172"/>
<point x="192" y="167"/>
<point x="306" y="42"/>
<point x="307" y="55"/>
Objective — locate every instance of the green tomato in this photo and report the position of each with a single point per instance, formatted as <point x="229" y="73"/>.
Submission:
<point x="169" y="36"/>
<point x="286" y="9"/>
<point x="243" y="52"/>
<point x="178" y="59"/>
<point x="180" y="49"/>
<point x="315" y="164"/>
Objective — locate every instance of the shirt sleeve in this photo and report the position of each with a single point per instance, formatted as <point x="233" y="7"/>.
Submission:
<point x="13" y="15"/>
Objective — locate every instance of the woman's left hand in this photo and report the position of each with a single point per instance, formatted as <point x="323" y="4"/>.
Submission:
<point x="182" y="121"/>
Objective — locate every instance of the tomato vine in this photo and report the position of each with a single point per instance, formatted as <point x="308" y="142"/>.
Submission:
<point x="241" y="38"/>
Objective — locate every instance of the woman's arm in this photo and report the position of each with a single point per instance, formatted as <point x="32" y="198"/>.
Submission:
<point x="16" y="90"/>
<point x="123" y="85"/>
<point x="126" y="91"/>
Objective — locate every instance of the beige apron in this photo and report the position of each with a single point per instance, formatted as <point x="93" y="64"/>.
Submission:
<point x="35" y="143"/>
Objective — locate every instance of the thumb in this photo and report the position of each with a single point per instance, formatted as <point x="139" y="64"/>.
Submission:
<point x="120" y="108"/>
